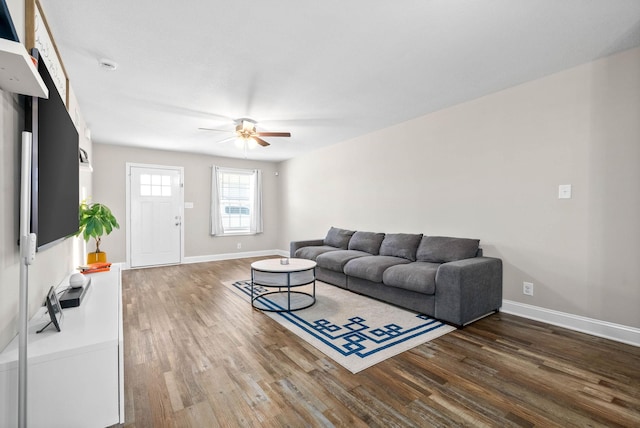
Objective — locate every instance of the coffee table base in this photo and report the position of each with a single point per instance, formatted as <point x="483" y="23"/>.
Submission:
<point x="283" y="301"/>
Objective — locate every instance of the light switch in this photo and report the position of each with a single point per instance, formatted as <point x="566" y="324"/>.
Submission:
<point x="188" y="204"/>
<point x="564" y="191"/>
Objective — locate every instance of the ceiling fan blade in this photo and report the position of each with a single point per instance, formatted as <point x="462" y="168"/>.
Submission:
<point x="260" y="141"/>
<point x="215" y="129"/>
<point x="227" y="139"/>
<point x="274" y="134"/>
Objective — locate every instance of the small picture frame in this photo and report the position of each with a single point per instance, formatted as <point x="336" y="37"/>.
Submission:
<point x="54" y="309"/>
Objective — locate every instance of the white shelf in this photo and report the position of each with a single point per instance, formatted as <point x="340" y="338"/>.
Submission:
<point x="18" y="74"/>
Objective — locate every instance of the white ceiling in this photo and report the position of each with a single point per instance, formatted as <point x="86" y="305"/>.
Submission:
<point x="326" y="71"/>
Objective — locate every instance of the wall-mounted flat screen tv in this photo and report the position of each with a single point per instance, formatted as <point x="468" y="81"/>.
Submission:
<point x="55" y="165"/>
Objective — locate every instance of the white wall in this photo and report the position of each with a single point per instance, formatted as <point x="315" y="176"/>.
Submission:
<point x="490" y="169"/>
<point x="110" y="188"/>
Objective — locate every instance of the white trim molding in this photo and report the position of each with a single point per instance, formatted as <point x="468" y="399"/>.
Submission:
<point x="230" y="256"/>
<point x="594" y="327"/>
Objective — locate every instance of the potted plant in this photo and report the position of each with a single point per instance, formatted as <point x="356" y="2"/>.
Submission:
<point x="96" y="220"/>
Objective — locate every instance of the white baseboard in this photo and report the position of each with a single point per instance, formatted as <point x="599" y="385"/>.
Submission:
<point x="608" y="330"/>
<point x="230" y="256"/>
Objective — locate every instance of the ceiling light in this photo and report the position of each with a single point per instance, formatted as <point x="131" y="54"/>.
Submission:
<point x="246" y="143"/>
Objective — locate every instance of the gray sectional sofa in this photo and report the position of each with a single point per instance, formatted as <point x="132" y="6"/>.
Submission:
<point x="442" y="277"/>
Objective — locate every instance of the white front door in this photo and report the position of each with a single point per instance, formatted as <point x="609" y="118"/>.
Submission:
<point x="155" y="205"/>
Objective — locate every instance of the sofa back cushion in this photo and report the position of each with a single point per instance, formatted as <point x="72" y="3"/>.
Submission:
<point x="338" y="238"/>
<point x="442" y="249"/>
<point x="369" y="242"/>
<point x="402" y="245"/>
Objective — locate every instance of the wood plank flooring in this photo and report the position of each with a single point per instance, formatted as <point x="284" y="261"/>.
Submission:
<point x="196" y="355"/>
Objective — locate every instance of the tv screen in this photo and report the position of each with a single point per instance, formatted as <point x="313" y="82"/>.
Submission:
<point x="55" y="165"/>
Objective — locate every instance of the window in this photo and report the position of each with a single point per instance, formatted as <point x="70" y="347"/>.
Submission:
<point x="155" y="185"/>
<point x="236" y="201"/>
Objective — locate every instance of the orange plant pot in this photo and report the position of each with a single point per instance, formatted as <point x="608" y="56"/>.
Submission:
<point x="94" y="257"/>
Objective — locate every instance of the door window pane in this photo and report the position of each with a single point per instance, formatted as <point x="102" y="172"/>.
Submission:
<point x="155" y="185"/>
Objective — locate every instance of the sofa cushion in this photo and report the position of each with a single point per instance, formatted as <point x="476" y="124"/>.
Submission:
<point x="335" y="260"/>
<point x="400" y="245"/>
<point x="312" y="252"/>
<point x="338" y="238"/>
<point x="371" y="267"/>
<point x="369" y="242"/>
<point x="416" y="276"/>
<point x="442" y="249"/>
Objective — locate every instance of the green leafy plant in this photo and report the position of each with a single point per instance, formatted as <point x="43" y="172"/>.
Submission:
<point x="95" y="220"/>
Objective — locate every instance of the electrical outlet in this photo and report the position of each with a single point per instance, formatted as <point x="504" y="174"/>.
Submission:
<point x="527" y="288"/>
<point x="239" y="246"/>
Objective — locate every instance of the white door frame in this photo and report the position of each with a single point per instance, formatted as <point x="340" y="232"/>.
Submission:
<point x="130" y="165"/>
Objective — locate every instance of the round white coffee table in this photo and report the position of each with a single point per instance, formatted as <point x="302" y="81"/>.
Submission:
<point x="272" y="273"/>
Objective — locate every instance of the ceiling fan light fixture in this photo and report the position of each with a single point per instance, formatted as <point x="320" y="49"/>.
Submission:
<point x="245" y="143"/>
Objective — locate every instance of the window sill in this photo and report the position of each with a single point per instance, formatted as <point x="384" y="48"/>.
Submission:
<point x="237" y="234"/>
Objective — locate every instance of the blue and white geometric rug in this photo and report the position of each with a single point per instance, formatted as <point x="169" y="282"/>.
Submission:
<point x="354" y="330"/>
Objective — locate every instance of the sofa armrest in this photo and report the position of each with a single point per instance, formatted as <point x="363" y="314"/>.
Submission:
<point x="294" y="245"/>
<point x="468" y="289"/>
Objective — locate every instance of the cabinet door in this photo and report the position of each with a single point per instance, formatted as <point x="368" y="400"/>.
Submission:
<point x="77" y="391"/>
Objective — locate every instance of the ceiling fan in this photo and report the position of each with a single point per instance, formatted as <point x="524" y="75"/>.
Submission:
<point x="246" y="132"/>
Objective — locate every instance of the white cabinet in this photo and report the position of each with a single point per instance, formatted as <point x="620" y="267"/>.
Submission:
<point x="75" y="376"/>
